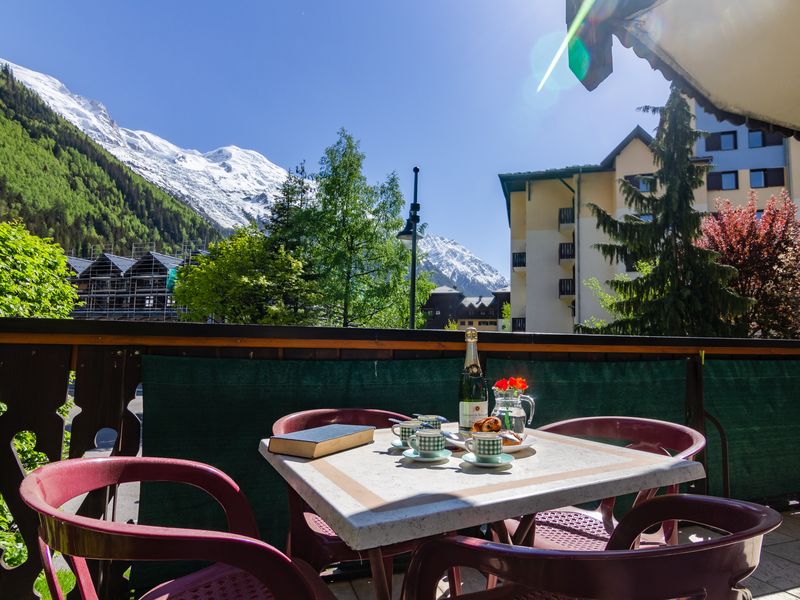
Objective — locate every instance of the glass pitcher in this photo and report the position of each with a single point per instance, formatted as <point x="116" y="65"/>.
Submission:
<point x="510" y="411"/>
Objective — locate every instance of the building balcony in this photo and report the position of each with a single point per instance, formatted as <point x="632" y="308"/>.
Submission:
<point x="566" y="289"/>
<point x="566" y="219"/>
<point x="566" y="255"/>
<point x="518" y="324"/>
<point x="518" y="261"/>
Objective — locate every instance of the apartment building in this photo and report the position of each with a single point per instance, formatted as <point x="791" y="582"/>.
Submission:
<point x="553" y="231"/>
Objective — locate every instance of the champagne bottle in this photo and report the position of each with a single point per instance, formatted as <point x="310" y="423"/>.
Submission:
<point x="472" y="394"/>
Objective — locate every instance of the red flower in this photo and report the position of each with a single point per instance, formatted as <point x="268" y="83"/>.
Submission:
<point x="519" y="383"/>
<point x="502" y="384"/>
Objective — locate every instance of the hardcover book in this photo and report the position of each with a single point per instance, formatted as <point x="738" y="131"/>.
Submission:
<point x="321" y="441"/>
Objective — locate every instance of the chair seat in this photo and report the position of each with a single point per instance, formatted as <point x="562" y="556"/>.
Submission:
<point x="217" y="582"/>
<point x="222" y="582"/>
<point x="570" y="530"/>
<point x="318" y="525"/>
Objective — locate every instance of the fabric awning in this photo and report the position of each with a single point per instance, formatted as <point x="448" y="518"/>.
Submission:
<point x="737" y="58"/>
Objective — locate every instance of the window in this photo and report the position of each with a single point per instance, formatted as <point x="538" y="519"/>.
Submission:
<point x="758" y="139"/>
<point x="644" y="183"/>
<point x="760" y="178"/>
<point x="149" y="301"/>
<point x="723" y="140"/>
<point x="723" y="180"/>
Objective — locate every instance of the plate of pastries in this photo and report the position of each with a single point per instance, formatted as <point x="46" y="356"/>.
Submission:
<point x="512" y="442"/>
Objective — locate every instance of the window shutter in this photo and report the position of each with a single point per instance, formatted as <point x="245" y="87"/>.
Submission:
<point x="773" y="138"/>
<point x="774" y="177"/>
<point x="714" y="181"/>
<point x="712" y="142"/>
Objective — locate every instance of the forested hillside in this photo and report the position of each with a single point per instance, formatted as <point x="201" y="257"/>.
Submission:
<point x="61" y="184"/>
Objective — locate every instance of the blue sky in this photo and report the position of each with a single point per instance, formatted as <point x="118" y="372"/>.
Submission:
<point x="448" y="85"/>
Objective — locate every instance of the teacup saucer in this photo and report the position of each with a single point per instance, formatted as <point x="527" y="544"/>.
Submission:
<point x="399" y="444"/>
<point x="414" y="455"/>
<point x="502" y="460"/>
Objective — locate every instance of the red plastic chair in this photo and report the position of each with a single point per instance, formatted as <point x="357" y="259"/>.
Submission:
<point x="572" y="528"/>
<point x="245" y="566"/>
<point x="310" y="537"/>
<point x="710" y="569"/>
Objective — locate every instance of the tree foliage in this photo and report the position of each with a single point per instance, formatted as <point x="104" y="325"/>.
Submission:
<point x="362" y="266"/>
<point x="764" y="251"/>
<point x="61" y="184"/>
<point x="686" y="293"/>
<point x="34" y="276"/>
<point x="328" y="255"/>
<point x="343" y="230"/>
<point x="243" y="280"/>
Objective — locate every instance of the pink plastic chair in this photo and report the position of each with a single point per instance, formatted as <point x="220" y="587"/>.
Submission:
<point x="572" y="528"/>
<point x="711" y="569"/>
<point x="310" y="537"/>
<point x="246" y="567"/>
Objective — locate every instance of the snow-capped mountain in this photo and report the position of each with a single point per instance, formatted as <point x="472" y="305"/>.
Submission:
<point x="230" y="186"/>
<point x="453" y="265"/>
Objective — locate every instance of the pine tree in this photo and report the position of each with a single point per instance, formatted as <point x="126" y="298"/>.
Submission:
<point x="686" y="293"/>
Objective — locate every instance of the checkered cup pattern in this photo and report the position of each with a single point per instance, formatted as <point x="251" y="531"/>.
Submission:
<point x="430" y="421"/>
<point x="487" y="446"/>
<point x="427" y="441"/>
<point x="406" y="429"/>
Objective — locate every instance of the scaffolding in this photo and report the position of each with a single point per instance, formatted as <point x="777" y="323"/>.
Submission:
<point x="137" y="287"/>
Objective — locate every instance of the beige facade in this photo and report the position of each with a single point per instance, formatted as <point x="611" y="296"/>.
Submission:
<point x="553" y="253"/>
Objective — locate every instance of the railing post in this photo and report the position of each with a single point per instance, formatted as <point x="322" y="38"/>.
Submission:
<point x="695" y="412"/>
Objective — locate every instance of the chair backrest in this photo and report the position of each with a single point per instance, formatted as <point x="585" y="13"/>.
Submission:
<point x="707" y="569"/>
<point x="325" y="416"/>
<point x="47" y="488"/>
<point x="647" y="435"/>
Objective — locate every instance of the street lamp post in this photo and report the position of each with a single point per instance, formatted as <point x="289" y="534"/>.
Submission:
<point x="409" y="238"/>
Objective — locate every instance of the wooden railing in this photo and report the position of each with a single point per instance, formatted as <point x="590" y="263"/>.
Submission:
<point x="37" y="357"/>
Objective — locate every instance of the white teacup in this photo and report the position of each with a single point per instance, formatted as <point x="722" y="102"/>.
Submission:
<point x="486" y="446"/>
<point x="406" y="429"/>
<point x="427" y="442"/>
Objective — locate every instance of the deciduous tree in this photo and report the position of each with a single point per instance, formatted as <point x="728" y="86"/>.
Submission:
<point x="34" y="275"/>
<point x="764" y="251"/>
<point x="243" y="280"/>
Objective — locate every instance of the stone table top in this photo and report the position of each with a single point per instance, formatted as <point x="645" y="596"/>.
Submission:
<point x="372" y="496"/>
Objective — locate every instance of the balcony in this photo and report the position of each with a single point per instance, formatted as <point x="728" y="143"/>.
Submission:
<point x="566" y="289"/>
<point x="566" y="255"/>
<point x="566" y="219"/>
<point x="194" y="375"/>
<point x="518" y="261"/>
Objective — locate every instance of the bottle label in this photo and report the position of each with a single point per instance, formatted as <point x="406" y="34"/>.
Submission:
<point x="469" y="412"/>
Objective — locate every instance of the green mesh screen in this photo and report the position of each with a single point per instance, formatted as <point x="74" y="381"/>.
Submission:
<point x="566" y="390"/>
<point x="216" y="411"/>
<point x="758" y="405"/>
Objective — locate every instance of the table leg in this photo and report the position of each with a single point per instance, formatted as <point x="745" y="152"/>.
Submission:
<point x="379" y="575"/>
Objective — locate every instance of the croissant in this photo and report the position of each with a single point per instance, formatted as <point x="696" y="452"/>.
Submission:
<point x="487" y="425"/>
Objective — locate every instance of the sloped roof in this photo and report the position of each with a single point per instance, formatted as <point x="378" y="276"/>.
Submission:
<point x="122" y="263"/>
<point x="443" y="289"/>
<point x="477" y="301"/>
<point x="515" y="182"/>
<point x="79" y="265"/>
<point x="169" y="262"/>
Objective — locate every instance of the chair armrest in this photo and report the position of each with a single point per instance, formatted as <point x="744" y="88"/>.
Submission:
<point x="70" y="478"/>
<point x="92" y="538"/>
